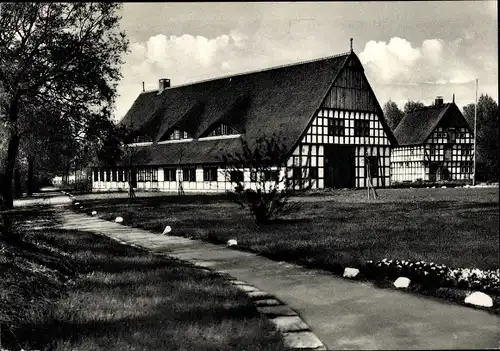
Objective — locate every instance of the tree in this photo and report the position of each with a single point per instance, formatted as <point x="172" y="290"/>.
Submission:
<point x="115" y="149"/>
<point x="393" y="115"/>
<point x="487" y="142"/>
<point x="412" y="105"/>
<point x="265" y="159"/>
<point x="65" y="57"/>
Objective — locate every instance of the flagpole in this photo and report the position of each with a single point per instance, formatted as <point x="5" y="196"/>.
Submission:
<point x="475" y="132"/>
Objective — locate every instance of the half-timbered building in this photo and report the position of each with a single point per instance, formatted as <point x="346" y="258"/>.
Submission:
<point x="435" y="144"/>
<point x="325" y="112"/>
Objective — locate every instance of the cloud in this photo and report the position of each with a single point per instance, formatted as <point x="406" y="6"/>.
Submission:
<point x="181" y="58"/>
<point x="187" y="58"/>
<point x="399" y="62"/>
<point x="398" y="69"/>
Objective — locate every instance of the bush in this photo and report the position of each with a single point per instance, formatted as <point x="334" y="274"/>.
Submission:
<point x="265" y="160"/>
<point x="432" y="276"/>
<point x="264" y="206"/>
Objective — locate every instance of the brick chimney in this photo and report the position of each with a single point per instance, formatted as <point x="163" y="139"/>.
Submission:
<point x="163" y="84"/>
<point x="438" y="101"/>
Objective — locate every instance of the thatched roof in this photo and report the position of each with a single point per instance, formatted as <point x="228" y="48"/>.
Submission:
<point x="416" y="126"/>
<point x="194" y="152"/>
<point x="280" y="100"/>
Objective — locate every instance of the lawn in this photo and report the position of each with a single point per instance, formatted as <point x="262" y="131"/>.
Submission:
<point x="457" y="227"/>
<point x="120" y="298"/>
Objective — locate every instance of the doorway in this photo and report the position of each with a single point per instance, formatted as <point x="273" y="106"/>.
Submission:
<point x="339" y="166"/>
<point x="434" y="172"/>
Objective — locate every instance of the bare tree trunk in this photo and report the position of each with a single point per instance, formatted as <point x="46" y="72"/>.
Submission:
<point x="30" y="184"/>
<point x="10" y="162"/>
<point x="6" y="181"/>
<point x="17" y="181"/>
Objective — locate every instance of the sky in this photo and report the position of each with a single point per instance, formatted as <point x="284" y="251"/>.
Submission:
<point x="410" y="50"/>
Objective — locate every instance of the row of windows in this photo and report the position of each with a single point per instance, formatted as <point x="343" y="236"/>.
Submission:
<point x="336" y="127"/>
<point x="451" y="135"/>
<point x="465" y="150"/>
<point x="150" y="174"/>
<point x="178" y="135"/>
<point x="332" y="113"/>
<point x="223" y="130"/>
<point x="111" y="175"/>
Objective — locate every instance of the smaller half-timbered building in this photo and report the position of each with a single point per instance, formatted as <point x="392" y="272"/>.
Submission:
<point x="435" y="144"/>
<point x="330" y="121"/>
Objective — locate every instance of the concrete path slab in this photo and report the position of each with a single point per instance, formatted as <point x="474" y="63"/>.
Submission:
<point x="344" y="314"/>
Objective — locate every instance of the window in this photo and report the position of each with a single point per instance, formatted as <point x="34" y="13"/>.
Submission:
<point x="236" y="176"/>
<point x="452" y="135"/>
<point x="432" y="150"/>
<point x="336" y="127"/>
<point x="361" y="128"/>
<point x="125" y="175"/>
<point x="102" y="174"/>
<point x="253" y="175"/>
<point x="141" y="174"/>
<point x="169" y="174"/>
<point x="108" y="175"/>
<point x="178" y="135"/>
<point x="120" y="174"/>
<point x="466" y="168"/>
<point x="466" y="149"/>
<point x="210" y="174"/>
<point x="189" y="174"/>
<point x="152" y="174"/>
<point x="270" y="175"/>
<point x="113" y="175"/>
<point x="372" y="164"/>
<point x="96" y="175"/>
<point x="447" y="153"/>
<point x="142" y="139"/>
<point x="222" y="130"/>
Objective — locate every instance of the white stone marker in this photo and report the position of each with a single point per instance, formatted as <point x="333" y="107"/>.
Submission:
<point x="232" y="242"/>
<point x="350" y="272"/>
<point x="167" y="230"/>
<point x="94" y="213"/>
<point x="402" y="282"/>
<point x="479" y="299"/>
<point x="119" y="220"/>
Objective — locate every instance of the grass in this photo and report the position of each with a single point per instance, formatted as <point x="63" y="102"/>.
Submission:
<point x="121" y="298"/>
<point x="456" y="227"/>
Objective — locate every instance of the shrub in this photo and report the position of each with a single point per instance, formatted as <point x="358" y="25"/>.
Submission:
<point x="272" y="188"/>
<point x="432" y="276"/>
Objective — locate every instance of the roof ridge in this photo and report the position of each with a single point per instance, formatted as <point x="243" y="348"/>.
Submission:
<point x="254" y="71"/>
<point x="431" y="106"/>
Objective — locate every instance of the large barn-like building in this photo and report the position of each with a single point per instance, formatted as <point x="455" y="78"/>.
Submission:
<point x="325" y="111"/>
<point x="435" y="144"/>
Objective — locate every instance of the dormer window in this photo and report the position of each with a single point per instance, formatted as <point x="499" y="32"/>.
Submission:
<point x="142" y="139"/>
<point x="223" y="129"/>
<point x="178" y="135"/>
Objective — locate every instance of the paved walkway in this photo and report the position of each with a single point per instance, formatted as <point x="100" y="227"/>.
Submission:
<point x="343" y="314"/>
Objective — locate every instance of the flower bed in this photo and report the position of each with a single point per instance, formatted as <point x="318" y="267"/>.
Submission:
<point x="433" y="276"/>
